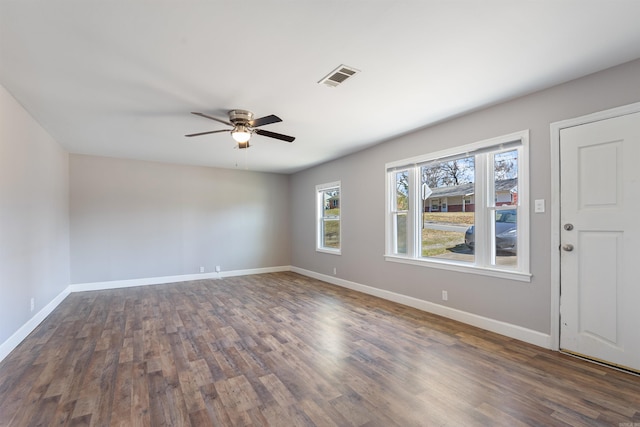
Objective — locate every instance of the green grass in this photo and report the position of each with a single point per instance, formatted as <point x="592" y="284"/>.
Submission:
<point x="437" y="242"/>
<point x="332" y="231"/>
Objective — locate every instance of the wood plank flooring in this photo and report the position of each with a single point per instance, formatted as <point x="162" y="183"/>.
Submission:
<point x="285" y="350"/>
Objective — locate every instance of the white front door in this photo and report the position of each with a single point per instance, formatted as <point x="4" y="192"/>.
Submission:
<point x="600" y="240"/>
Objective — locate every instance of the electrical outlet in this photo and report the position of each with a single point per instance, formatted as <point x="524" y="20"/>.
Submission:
<point x="201" y="269"/>
<point x="335" y="271"/>
<point x="217" y="269"/>
<point x="33" y="304"/>
<point x="445" y="296"/>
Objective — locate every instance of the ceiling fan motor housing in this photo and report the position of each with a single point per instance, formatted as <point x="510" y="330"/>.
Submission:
<point x="240" y="117"/>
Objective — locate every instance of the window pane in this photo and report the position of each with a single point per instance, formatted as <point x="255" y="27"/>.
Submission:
<point x="401" y="233"/>
<point x="448" y="206"/>
<point x="331" y="202"/>
<point x="506" y="229"/>
<point x="402" y="191"/>
<point x="331" y="233"/>
<point x="506" y="178"/>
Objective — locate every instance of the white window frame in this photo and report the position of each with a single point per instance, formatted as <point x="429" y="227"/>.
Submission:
<point x="320" y="189"/>
<point x="485" y="208"/>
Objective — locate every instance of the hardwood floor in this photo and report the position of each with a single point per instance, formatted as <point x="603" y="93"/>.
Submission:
<point x="285" y="350"/>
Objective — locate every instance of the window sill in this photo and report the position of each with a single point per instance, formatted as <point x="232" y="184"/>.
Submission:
<point x="329" y="251"/>
<point x="462" y="267"/>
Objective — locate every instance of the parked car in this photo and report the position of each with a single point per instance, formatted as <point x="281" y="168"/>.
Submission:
<point x="506" y="232"/>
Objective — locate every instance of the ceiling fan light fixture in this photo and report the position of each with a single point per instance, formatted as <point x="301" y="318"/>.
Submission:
<point x="243" y="126"/>
<point x="241" y="134"/>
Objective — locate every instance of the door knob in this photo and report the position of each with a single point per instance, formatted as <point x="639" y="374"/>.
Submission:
<point x="568" y="247"/>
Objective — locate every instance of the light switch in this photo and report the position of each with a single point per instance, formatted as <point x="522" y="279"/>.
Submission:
<point x="539" y="206"/>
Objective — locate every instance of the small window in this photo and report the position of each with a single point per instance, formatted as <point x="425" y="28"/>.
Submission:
<point x="328" y="218"/>
<point x="400" y="209"/>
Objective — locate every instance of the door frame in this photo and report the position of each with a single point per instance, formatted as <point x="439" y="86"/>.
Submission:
<point x="556" y="226"/>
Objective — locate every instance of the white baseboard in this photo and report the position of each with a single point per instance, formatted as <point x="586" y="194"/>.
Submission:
<point x="503" y="328"/>
<point x="15" y="339"/>
<point x="116" y="284"/>
<point x="507" y="329"/>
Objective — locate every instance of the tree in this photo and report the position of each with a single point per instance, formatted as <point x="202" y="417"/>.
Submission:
<point x="402" y="191"/>
<point x="505" y="165"/>
<point x="432" y="176"/>
<point x="446" y="174"/>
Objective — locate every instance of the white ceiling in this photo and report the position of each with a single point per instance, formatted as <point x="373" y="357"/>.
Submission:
<point x="119" y="78"/>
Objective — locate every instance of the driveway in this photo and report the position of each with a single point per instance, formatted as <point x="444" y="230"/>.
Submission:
<point x="445" y="227"/>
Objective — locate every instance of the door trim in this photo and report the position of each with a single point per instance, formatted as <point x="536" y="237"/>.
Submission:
<point x="555" y="129"/>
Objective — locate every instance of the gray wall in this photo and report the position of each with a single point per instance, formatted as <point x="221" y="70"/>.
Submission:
<point x="363" y="207"/>
<point x="133" y="219"/>
<point x="34" y="217"/>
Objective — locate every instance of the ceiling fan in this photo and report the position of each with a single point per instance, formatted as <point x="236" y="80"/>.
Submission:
<point x="244" y="125"/>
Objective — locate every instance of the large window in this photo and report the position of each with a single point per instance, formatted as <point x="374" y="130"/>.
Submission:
<point x="462" y="209"/>
<point x="328" y="217"/>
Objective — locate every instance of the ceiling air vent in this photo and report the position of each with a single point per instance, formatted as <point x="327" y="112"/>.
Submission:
<point x="338" y="76"/>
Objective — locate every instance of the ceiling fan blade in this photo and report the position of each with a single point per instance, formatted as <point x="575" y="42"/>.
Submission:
<point x="266" y="120"/>
<point x="275" y="135"/>
<point x="207" y="133"/>
<point x="212" y="118"/>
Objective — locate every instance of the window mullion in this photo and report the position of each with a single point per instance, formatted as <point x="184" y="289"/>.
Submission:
<point x="414" y="215"/>
<point x="491" y="209"/>
<point x="482" y="247"/>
